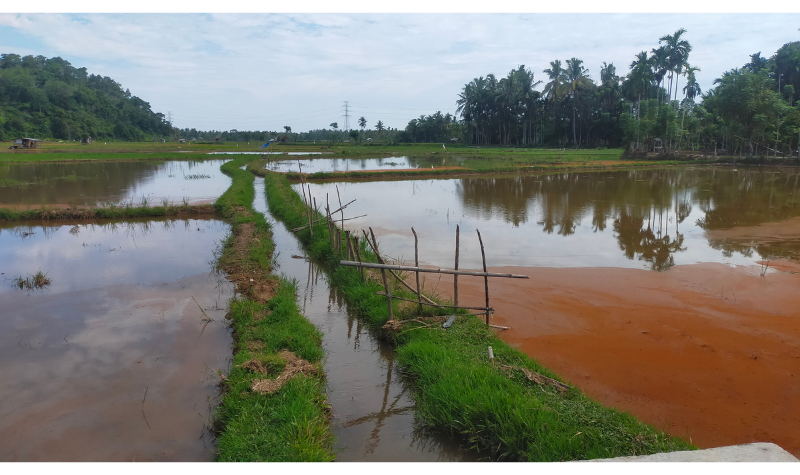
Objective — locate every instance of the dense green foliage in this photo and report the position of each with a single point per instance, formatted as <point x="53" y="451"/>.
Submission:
<point x="751" y="111"/>
<point x="49" y="98"/>
<point x="459" y="391"/>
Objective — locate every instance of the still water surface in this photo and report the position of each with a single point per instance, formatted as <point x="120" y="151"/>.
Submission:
<point x="101" y="183"/>
<point x="316" y="165"/>
<point x="121" y="318"/>
<point x="637" y="219"/>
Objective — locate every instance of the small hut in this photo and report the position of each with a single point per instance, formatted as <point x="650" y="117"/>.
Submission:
<point x="25" y="142"/>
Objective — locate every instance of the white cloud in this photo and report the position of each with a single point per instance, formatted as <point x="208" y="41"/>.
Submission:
<point x="263" y="71"/>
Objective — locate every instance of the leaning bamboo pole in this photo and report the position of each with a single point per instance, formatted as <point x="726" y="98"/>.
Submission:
<point x="370" y="265"/>
<point x="485" y="277"/>
<point x="383" y="275"/>
<point x="416" y="264"/>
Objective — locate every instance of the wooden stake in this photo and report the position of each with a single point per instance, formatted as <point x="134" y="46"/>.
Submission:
<point x="455" y="277"/>
<point x="349" y="245"/>
<point x="416" y="264"/>
<point x="319" y="220"/>
<point x="358" y="255"/>
<point x="313" y="211"/>
<point x="399" y="279"/>
<point x="383" y="275"/>
<point x="485" y="278"/>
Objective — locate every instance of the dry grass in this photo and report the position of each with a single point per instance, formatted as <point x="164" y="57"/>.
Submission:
<point x="294" y="366"/>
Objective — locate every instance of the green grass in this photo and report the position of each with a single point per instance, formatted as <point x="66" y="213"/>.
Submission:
<point x="108" y="212"/>
<point x="459" y="392"/>
<point x="293" y="423"/>
<point x="290" y="425"/>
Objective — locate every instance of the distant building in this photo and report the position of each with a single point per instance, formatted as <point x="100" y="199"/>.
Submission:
<point x="25" y="142"/>
<point x="454" y="140"/>
<point x="182" y="141"/>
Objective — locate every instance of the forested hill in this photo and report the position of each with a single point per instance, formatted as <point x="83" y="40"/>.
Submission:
<point x="50" y="98"/>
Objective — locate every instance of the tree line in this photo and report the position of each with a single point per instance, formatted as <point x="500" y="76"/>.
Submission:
<point x="658" y="106"/>
<point x="41" y="97"/>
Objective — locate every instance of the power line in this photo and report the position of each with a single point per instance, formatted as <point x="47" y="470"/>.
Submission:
<point x="346" y="116"/>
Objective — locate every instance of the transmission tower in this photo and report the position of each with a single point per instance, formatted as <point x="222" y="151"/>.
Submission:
<point x="169" y="117"/>
<point x="346" y="117"/>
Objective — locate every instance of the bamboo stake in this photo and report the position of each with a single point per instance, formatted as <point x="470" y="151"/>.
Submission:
<point x="340" y="203"/>
<point x="308" y="215"/>
<point x="370" y="265"/>
<point x="400" y="279"/>
<point x="383" y="275"/>
<point x="328" y="211"/>
<point x="416" y="264"/>
<point x="455" y="277"/>
<point x="338" y="234"/>
<point x="349" y="247"/>
<point x="485" y="278"/>
<point x="313" y="211"/>
<point x="358" y="255"/>
<point x="294" y="230"/>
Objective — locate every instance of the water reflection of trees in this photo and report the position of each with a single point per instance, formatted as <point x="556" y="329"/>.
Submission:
<point x="646" y="207"/>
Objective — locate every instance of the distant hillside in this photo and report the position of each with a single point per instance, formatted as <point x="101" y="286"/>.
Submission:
<point x="49" y="98"/>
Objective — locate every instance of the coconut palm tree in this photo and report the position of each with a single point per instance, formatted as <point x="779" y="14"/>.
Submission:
<point x="678" y="51"/>
<point x="575" y="79"/>
<point x="659" y="62"/>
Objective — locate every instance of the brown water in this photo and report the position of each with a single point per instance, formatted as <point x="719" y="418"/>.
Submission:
<point x="651" y="219"/>
<point x="117" y="182"/>
<point x="373" y="413"/>
<point x="113" y="360"/>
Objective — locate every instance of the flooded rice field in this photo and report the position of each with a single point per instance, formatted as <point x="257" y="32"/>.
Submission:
<point x="51" y="184"/>
<point x="668" y="293"/>
<point x="117" y="358"/>
<point x="352" y="164"/>
<point x="635" y="219"/>
<point x="373" y="413"/>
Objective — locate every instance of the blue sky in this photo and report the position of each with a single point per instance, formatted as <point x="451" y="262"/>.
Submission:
<point x="264" y="71"/>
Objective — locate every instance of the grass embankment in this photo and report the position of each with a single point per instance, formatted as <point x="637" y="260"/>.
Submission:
<point x="459" y="391"/>
<point x="291" y="424"/>
<point x="109" y="212"/>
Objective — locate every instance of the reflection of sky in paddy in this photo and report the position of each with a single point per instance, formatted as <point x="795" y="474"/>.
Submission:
<point x="100" y="183"/>
<point x="121" y="315"/>
<point x="83" y="256"/>
<point x="565" y="220"/>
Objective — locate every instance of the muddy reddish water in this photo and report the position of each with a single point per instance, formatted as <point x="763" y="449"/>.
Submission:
<point x="119" y="319"/>
<point x="645" y="290"/>
<point x="373" y="412"/>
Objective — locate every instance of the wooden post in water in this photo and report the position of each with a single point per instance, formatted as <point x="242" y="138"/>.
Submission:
<point x="328" y="218"/>
<point x="455" y="277"/>
<point x="349" y="247"/>
<point x="486" y="277"/>
<point x="383" y="275"/>
<point x="416" y="264"/>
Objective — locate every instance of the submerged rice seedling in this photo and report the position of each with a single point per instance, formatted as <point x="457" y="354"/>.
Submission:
<point x="36" y="281"/>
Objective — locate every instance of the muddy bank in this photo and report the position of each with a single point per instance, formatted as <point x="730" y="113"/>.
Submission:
<point x="704" y="351"/>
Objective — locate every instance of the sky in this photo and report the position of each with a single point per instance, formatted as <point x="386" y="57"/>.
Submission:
<point x="264" y="71"/>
